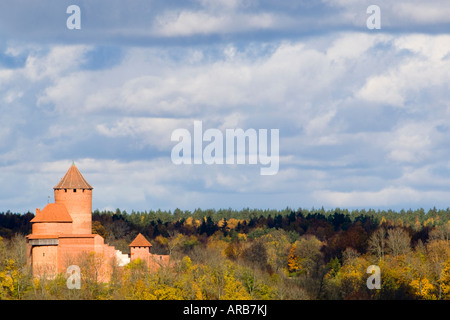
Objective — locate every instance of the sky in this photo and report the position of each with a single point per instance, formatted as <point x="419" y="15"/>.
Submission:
<point x="362" y="113"/>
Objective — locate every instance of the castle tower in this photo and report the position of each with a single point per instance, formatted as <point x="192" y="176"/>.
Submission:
<point x="61" y="233"/>
<point x="75" y="194"/>
<point x="140" y="248"/>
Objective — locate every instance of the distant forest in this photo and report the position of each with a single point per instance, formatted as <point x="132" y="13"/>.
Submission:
<point x="258" y="254"/>
<point x="120" y="227"/>
<point x="320" y="222"/>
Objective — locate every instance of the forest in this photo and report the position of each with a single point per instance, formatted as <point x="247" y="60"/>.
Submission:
<point x="303" y="254"/>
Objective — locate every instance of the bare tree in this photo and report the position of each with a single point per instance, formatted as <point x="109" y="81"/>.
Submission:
<point x="398" y="241"/>
<point x="18" y="252"/>
<point x="349" y="255"/>
<point x="441" y="232"/>
<point x="377" y="243"/>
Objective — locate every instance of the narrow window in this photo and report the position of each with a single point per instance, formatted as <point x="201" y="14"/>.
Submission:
<point x="43" y="254"/>
<point x="65" y="190"/>
<point x="74" y="190"/>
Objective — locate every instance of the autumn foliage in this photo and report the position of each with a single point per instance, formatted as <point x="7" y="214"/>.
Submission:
<point x="226" y="254"/>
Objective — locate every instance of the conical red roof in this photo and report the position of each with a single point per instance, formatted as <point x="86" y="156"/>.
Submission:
<point x="73" y="179"/>
<point x="53" y="212"/>
<point x="140" y="241"/>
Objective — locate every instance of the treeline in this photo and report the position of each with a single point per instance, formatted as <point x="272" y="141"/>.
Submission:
<point x="12" y="223"/>
<point x="409" y="217"/>
<point x="255" y="254"/>
<point x="340" y="228"/>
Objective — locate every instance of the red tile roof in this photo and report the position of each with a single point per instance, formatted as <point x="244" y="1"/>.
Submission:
<point x="140" y="241"/>
<point x="53" y="212"/>
<point x="73" y="179"/>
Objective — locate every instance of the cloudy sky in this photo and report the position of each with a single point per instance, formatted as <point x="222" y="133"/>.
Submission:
<point x="363" y="115"/>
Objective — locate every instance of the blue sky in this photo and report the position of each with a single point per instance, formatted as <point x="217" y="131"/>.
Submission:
<point x="363" y="114"/>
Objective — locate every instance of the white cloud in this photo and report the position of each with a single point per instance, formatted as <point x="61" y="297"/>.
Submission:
<point x="434" y="11"/>
<point x="354" y="46"/>
<point x="67" y="93"/>
<point x="433" y="48"/>
<point x="178" y="89"/>
<point x="385" y="88"/>
<point x="145" y="131"/>
<point x="401" y="13"/>
<point x="203" y="22"/>
<point x="58" y="61"/>
<point x="411" y="143"/>
<point x="6" y="75"/>
<point x="403" y="196"/>
<point x="12" y="95"/>
<point x="426" y="69"/>
<point x="425" y="177"/>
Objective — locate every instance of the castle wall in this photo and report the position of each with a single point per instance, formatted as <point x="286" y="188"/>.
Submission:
<point x="79" y="205"/>
<point x="74" y="249"/>
<point x="155" y="261"/>
<point x="44" y="260"/>
<point x="89" y="252"/>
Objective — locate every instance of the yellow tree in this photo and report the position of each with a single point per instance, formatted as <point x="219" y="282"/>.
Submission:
<point x="172" y="242"/>
<point x="142" y="291"/>
<point x="419" y="269"/>
<point x="233" y="288"/>
<point x="98" y="228"/>
<point x="438" y="253"/>
<point x="165" y="292"/>
<point x="445" y="280"/>
<point x="277" y="245"/>
<point x="187" y="279"/>
<point x="396" y="278"/>
<point x="256" y="282"/>
<point x="134" y="278"/>
<point x="19" y="271"/>
<point x="306" y="255"/>
<point x="351" y="277"/>
<point x="423" y="288"/>
<point x="293" y="260"/>
<point x="6" y="280"/>
<point x="233" y="250"/>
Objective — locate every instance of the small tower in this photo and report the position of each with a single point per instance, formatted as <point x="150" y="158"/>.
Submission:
<point x="140" y="248"/>
<point x="75" y="194"/>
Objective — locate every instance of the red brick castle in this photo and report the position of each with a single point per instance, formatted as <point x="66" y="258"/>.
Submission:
<point x="62" y="234"/>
